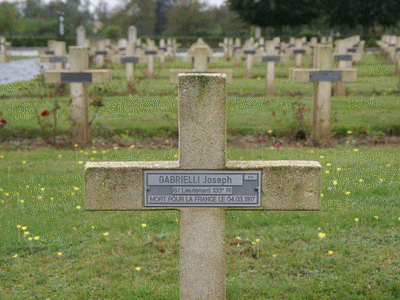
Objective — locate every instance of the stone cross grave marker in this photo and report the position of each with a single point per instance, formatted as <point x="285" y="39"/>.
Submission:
<point x="237" y="49"/>
<point x="202" y="185"/>
<point x="270" y="59"/>
<point x="200" y="65"/>
<point x="161" y="51"/>
<point x="344" y="61"/>
<point x="3" y="49"/>
<point x="397" y="57"/>
<point x="298" y="52"/>
<point x="132" y="34"/>
<point x="79" y="77"/>
<point x="80" y="36"/>
<point x="150" y="52"/>
<point x="56" y="55"/>
<point x="249" y="60"/>
<point x="104" y="47"/>
<point x="323" y="76"/>
<point x="129" y="60"/>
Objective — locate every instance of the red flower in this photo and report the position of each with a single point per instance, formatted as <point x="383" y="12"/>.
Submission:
<point x="278" y="145"/>
<point x="2" y="121"/>
<point x="292" y="94"/>
<point x="228" y="58"/>
<point x="144" y="72"/>
<point x="243" y="58"/>
<point x="45" y="113"/>
<point x="106" y="60"/>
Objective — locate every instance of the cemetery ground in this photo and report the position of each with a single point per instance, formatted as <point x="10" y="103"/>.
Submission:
<point x="369" y="112"/>
<point x="51" y="248"/>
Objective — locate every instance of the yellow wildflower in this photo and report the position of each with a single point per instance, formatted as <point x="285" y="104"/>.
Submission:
<point x="144" y="225"/>
<point x="321" y="235"/>
<point x="106" y="233"/>
<point x="36" y="237"/>
<point x="138" y="269"/>
<point x="24" y="228"/>
<point x="330" y="252"/>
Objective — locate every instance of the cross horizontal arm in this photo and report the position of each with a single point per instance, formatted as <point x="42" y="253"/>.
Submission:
<point x="97" y="76"/>
<point x="303" y="75"/>
<point x="285" y="185"/>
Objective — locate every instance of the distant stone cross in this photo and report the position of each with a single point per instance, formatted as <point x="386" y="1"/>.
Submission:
<point x="202" y="185"/>
<point x="200" y="65"/>
<point x="79" y="77"/>
<point x="129" y="60"/>
<point x="298" y="53"/>
<point x="56" y="56"/>
<point x="270" y="60"/>
<point x="322" y="76"/>
<point x="3" y="49"/>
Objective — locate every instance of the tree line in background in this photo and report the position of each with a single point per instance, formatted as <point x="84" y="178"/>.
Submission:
<point x="236" y="18"/>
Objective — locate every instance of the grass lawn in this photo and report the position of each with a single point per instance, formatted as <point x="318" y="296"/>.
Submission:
<point x="67" y="253"/>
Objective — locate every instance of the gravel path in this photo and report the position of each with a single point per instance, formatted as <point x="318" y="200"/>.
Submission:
<point x="21" y="70"/>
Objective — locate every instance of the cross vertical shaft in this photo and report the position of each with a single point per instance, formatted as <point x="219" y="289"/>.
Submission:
<point x="202" y="143"/>
<point x="79" y="93"/>
<point x="322" y="97"/>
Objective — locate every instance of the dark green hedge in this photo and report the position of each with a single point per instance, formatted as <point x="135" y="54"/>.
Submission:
<point x="34" y="41"/>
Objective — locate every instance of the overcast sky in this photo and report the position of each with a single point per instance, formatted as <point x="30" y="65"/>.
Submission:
<point x="114" y="2"/>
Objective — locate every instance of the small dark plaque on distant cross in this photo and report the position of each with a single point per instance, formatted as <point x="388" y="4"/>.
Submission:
<point x="76" y="77"/>
<point x="271" y="58"/>
<point x="342" y="58"/>
<point x="130" y="59"/>
<point x="325" y="76"/>
<point x="249" y="51"/>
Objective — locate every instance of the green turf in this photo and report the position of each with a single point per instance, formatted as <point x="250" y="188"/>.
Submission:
<point x="43" y="190"/>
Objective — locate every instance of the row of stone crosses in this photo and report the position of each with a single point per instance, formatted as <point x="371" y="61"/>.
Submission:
<point x="200" y="54"/>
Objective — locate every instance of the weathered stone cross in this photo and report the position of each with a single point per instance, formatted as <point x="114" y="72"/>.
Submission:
<point x="129" y="60"/>
<point x="322" y="76"/>
<point x="79" y="77"/>
<point x="56" y="56"/>
<point x="202" y="185"/>
<point x="3" y="49"/>
<point x="270" y="59"/>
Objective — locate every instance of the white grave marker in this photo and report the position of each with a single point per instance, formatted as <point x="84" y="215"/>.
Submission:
<point x="202" y="185"/>
<point x="322" y="77"/>
<point x="200" y="65"/>
<point x="79" y="77"/>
